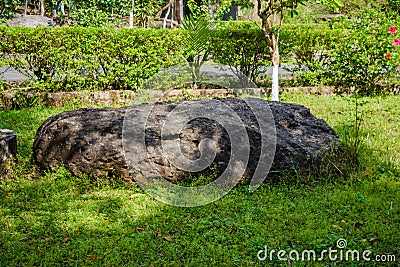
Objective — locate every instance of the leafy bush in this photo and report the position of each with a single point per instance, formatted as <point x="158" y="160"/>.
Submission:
<point x="77" y="58"/>
<point x="308" y="47"/>
<point x="8" y="7"/>
<point x="235" y="24"/>
<point x="365" y="56"/>
<point x="32" y="51"/>
<point x="359" y="55"/>
<point x="309" y="51"/>
<point x="358" y="7"/>
<point x="107" y="6"/>
<point x="394" y="5"/>
<point x="93" y="17"/>
<point x="244" y="50"/>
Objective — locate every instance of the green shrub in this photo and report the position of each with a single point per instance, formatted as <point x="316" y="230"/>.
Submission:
<point x="77" y="58"/>
<point x="244" y="50"/>
<point x="91" y="17"/>
<point x="394" y="5"/>
<point x="309" y="51"/>
<point x="365" y="56"/>
<point x="7" y="8"/>
<point x="308" y="47"/>
<point x="352" y="57"/>
<point x="234" y="24"/>
<point x="35" y="51"/>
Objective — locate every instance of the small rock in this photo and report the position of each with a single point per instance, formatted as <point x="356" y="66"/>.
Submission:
<point x="8" y="150"/>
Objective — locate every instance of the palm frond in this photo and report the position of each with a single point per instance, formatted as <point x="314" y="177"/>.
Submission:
<point x="199" y="33"/>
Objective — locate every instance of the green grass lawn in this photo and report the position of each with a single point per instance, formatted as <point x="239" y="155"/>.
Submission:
<point x="54" y="218"/>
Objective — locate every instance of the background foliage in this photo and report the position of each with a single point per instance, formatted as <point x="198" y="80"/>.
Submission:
<point x="79" y="58"/>
<point x="365" y="56"/>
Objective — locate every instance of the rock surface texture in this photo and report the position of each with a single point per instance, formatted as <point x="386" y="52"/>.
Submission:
<point x="8" y="150"/>
<point x="91" y="140"/>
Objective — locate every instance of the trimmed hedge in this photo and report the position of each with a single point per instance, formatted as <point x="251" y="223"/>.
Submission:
<point x="77" y="58"/>
<point x="74" y="58"/>
<point x="245" y="50"/>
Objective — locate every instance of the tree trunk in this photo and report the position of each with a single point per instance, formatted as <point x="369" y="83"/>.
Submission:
<point x="268" y="18"/>
<point x="181" y="11"/>
<point x="272" y="41"/>
<point x="166" y="18"/>
<point x="62" y="8"/>
<point x="275" y="75"/>
<point x="254" y="14"/>
<point x="172" y="14"/>
<point x="42" y="8"/>
<point x="132" y="14"/>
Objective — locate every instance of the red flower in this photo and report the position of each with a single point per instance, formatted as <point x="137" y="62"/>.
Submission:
<point x="398" y="68"/>
<point x="388" y="56"/>
<point x="396" y="41"/>
<point x="392" y="30"/>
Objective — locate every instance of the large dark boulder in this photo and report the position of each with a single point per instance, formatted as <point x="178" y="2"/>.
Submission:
<point x="99" y="142"/>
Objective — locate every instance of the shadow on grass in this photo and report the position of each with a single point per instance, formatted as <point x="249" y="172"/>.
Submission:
<point x="63" y="220"/>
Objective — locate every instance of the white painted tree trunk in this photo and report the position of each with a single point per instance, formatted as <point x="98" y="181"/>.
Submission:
<point x="275" y="83"/>
<point x="272" y="40"/>
<point x="62" y="8"/>
<point x="131" y="19"/>
<point x="181" y="10"/>
<point x="172" y="14"/>
<point x="42" y="8"/>
<point x="275" y="75"/>
<point x="131" y="14"/>
<point x="166" y="17"/>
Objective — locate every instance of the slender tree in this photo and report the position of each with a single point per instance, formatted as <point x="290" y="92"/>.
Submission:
<point x="42" y="8"/>
<point x="272" y="13"/>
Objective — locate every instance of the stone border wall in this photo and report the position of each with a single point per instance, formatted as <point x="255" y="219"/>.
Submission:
<point x="9" y="100"/>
